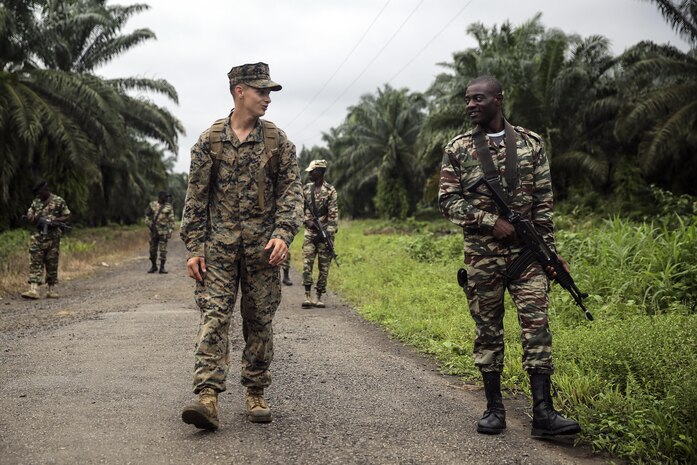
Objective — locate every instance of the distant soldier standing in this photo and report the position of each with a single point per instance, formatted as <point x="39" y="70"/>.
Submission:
<point x="285" y="266"/>
<point x="44" y="249"/>
<point x="320" y="203"/>
<point x="514" y="159"/>
<point x="159" y="216"/>
<point x="239" y="218"/>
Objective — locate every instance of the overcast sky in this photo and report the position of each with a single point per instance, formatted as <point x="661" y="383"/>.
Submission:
<point x="327" y="53"/>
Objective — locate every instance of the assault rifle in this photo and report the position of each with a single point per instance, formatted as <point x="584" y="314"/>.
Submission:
<point x="534" y="247"/>
<point x="44" y="224"/>
<point x="326" y="238"/>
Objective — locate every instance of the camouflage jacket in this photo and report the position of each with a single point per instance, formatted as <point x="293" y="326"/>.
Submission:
<point x="164" y="223"/>
<point x="236" y="219"/>
<point x="531" y="197"/>
<point x="55" y="207"/>
<point x="326" y="206"/>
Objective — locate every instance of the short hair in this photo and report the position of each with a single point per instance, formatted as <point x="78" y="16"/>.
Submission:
<point x="490" y="81"/>
<point x="38" y="186"/>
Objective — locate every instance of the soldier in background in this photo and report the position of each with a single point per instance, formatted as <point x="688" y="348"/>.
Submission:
<point x="240" y="216"/>
<point x="521" y="167"/>
<point x="321" y="204"/>
<point x="285" y="266"/>
<point x="47" y="211"/>
<point x="159" y="216"/>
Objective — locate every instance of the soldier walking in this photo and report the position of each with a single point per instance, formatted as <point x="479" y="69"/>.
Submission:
<point x="159" y="216"/>
<point x="49" y="212"/>
<point x="239" y="218"/>
<point x="320" y="201"/>
<point x="514" y="158"/>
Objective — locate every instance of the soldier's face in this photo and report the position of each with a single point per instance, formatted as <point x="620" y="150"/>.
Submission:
<point x="482" y="104"/>
<point x="44" y="193"/>
<point x="255" y="101"/>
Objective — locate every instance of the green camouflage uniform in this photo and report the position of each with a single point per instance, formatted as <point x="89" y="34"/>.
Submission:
<point x="44" y="249"/>
<point x="286" y="263"/>
<point x="486" y="259"/>
<point x="162" y="217"/>
<point x="232" y="244"/>
<point x="328" y="214"/>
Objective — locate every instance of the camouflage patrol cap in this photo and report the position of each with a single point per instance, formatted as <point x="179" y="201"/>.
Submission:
<point x="317" y="164"/>
<point x="254" y="75"/>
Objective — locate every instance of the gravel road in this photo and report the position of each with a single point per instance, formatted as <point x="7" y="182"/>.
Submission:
<point x="101" y="374"/>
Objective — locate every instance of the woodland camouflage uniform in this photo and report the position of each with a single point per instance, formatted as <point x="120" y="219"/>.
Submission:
<point x="486" y="259"/>
<point x="162" y="217"/>
<point x="44" y="249"/>
<point x="327" y="211"/>
<point x="233" y="242"/>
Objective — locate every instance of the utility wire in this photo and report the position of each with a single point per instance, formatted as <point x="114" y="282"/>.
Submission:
<point x="314" y="97"/>
<point x="430" y="42"/>
<point x="364" y="69"/>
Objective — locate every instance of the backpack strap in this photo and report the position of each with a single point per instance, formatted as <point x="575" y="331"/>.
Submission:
<point x="270" y="158"/>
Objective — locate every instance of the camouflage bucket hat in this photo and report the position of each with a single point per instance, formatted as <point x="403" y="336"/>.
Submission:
<point x="254" y="75"/>
<point x="317" y="164"/>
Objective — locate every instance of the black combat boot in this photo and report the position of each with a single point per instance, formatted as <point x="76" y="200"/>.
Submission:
<point x="286" y="278"/>
<point x="494" y="419"/>
<point x="545" y="420"/>
<point x="153" y="268"/>
<point x="162" y="267"/>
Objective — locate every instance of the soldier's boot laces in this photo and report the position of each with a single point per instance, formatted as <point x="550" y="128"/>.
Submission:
<point x="286" y="278"/>
<point x="153" y="268"/>
<point x="32" y="293"/>
<point x="494" y="419"/>
<point x="318" y="303"/>
<point x="545" y="420"/>
<point x="162" y="268"/>
<point x="203" y="413"/>
<point x="258" y="410"/>
<point x="52" y="294"/>
<point x="308" y="297"/>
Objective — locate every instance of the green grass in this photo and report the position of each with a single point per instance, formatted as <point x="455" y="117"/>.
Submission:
<point x="628" y="377"/>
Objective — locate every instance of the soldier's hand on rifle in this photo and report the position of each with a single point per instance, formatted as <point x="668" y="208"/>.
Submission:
<point x="550" y="269"/>
<point x="504" y="231"/>
<point x="279" y="251"/>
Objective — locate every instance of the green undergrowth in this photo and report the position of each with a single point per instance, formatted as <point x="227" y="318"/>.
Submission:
<point x="628" y="377"/>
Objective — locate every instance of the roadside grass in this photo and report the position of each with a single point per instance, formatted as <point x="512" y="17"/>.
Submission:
<point x="82" y="251"/>
<point x="628" y="377"/>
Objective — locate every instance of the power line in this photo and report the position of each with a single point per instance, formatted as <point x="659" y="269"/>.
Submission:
<point x="364" y="69"/>
<point x="314" y="97"/>
<point x="430" y="42"/>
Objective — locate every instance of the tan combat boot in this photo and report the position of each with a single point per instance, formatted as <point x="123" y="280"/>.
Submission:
<point x="318" y="303"/>
<point x="203" y="413"/>
<point x="258" y="410"/>
<point x="32" y="293"/>
<point x="308" y="297"/>
<point x="52" y="294"/>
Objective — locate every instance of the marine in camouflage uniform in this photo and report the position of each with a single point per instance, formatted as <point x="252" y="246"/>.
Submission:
<point x="44" y="247"/>
<point x="490" y="247"/>
<point x="239" y="218"/>
<point x="320" y="202"/>
<point x="159" y="216"/>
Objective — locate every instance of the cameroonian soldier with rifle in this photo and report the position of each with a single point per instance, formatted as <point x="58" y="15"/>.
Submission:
<point x="49" y="213"/>
<point x="514" y="165"/>
<point x="321" y="225"/>
<point x="159" y="216"/>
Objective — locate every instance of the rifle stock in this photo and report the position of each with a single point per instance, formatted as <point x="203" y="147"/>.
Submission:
<point x="534" y="247"/>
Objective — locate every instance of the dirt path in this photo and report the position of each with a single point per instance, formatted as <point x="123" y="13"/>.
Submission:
<point x="101" y="375"/>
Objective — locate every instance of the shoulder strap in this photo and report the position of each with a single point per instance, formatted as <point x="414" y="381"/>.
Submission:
<point x="215" y="139"/>
<point x="271" y="143"/>
<point x="484" y="155"/>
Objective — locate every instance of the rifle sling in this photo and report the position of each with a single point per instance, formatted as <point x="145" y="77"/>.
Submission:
<point x="511" y="166"/>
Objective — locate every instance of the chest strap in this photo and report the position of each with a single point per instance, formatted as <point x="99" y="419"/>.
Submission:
<point x="490" y="173"/>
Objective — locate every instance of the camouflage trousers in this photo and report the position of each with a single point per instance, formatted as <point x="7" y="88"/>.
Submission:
<point x="261" y="294"/>
<point x="324" y="258"/>
<point x="43" y="253"/>
<point x="486" y="285"/>
<point x="286" y="263"/>
<point x="158" y="243"/>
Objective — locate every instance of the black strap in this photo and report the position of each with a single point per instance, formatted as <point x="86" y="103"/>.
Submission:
<point x="511" y="165"/>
